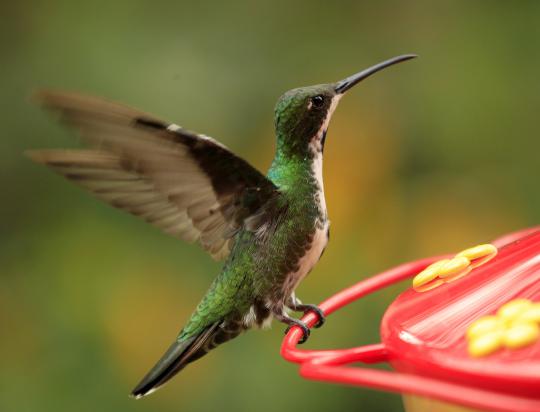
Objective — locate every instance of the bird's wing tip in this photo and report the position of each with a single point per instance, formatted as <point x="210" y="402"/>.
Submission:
<point x="43" y="96"/>
<point x="37" y="156"/>
<point x="57" y="99"/>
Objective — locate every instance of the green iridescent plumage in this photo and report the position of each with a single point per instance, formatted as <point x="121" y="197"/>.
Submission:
<point x="270" y="229"/>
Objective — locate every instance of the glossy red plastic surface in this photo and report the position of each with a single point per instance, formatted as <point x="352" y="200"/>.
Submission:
<point x="423" y="335"/>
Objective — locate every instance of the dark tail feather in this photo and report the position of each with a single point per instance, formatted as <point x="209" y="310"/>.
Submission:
<point x="176" y="358"/>
<point x="181" y="353"/>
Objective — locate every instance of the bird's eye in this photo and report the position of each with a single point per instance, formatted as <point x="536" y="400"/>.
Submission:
<point x="317" y="101"/>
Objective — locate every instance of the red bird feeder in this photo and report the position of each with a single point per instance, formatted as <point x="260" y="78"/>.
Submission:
<point x="465" y="336"/>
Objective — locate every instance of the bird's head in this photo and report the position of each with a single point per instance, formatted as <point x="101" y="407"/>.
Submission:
<point x="302" y="115"/>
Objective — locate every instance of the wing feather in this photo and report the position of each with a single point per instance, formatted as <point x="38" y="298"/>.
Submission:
<point x="188" y="185"/>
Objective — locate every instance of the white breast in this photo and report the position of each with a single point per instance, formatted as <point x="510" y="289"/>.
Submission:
<point x="320" y="238"/>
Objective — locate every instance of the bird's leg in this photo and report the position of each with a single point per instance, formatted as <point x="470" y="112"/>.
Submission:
<point x="284" y="318"/>
<point x="295" y="304"/>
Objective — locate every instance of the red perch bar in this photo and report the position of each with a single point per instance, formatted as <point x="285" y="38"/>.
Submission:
<point x="465" y="336"/>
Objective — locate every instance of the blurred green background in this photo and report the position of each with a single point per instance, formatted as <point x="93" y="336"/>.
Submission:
<point x="427" y="157"/>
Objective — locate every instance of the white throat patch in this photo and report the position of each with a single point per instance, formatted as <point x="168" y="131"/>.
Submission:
<point x="316" y="147"/>
<point x="316" y="142"/>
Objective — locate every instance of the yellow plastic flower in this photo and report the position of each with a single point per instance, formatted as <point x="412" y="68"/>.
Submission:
<point x="515" y="325"/>
<point x="448" y="270"/>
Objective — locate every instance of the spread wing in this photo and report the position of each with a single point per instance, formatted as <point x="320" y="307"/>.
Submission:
<point x="188" y="185"/>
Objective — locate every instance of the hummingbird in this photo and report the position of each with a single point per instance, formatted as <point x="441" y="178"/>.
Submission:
<point x="270" y="229"/>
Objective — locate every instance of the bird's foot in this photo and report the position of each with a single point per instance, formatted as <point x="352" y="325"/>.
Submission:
<point x="296" y="304"/>
<point x="309" y="307"/>
<point x="303" y="326"/>
<point x="294" y="322"/>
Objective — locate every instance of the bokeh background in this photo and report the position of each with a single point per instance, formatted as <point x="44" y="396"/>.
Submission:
<point x="426" y="157"/>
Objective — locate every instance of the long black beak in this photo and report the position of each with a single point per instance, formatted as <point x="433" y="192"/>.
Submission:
<point x="345" y="84"/>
